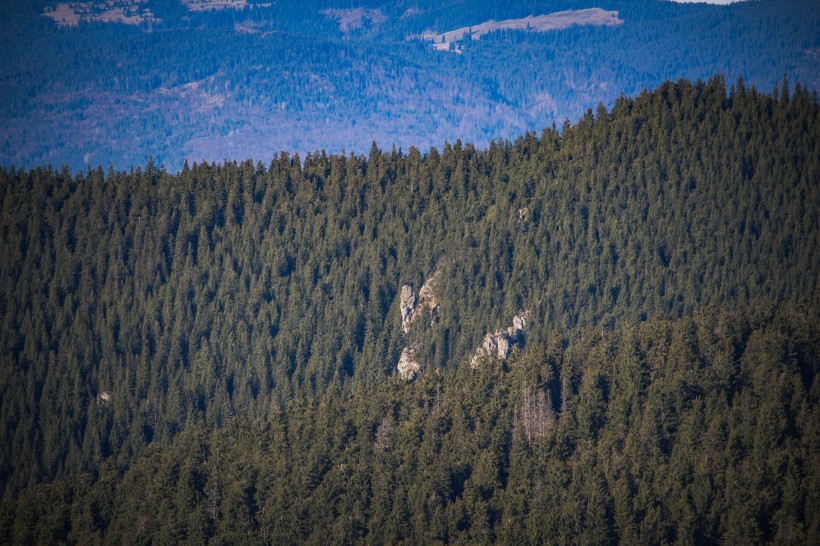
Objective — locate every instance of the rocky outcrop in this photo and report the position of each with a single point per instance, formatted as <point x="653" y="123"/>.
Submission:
<point x="520" y="321"/>
<point x="427" y="299"/>
<point x="407" y="304"/>
<point x="410" y="308"/>
<point x="426" y="295"/>
<point x="409" y="365"/>
<point x="499" y="344"/>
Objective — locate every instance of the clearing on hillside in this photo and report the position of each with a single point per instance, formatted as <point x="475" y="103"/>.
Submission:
<point x="534" y="23"/>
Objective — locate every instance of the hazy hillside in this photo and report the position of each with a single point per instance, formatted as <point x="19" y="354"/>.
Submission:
<point x="187" y="80"/>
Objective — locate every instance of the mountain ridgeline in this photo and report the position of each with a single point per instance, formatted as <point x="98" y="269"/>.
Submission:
<point x="211" y="355"/>
<point x="249" y="79"/>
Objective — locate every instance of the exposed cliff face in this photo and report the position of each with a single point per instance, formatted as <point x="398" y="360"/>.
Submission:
<point x="407" y="303"/>
<point x="409" y="365"/>
<point x="410" y="308"/>
<point x="426" y="295"/>
<point x="500" y="343"/>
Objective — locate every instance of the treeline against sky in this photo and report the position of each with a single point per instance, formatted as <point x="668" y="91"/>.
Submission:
<point x="231" y="84"/>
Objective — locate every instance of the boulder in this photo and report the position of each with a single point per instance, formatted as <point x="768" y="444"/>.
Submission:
<point x="490" y="343"/>
<point x="409" y="366"/>
<point x="426" y="295"/>
<point x="427" y="298"/>
<point x="501" y="342"/>
<point x="520" y="321"/>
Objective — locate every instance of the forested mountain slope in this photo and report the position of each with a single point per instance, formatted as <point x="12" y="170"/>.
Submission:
<point x="225" y="84"/>
<point x="136" y="305"/>
<point x="700" y="431"/>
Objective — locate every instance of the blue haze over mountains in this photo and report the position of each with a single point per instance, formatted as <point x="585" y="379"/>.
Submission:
<point x="236" y="83"/>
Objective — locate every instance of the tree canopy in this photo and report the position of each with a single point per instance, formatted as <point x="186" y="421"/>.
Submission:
<point x="211" y="354"/>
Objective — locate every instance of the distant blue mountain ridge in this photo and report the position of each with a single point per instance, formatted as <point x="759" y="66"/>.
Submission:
<point x="86" y="84"/>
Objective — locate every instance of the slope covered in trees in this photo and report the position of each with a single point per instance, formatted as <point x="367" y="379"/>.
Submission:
<point x="141" y="308"/>
<point x="701" y="430"/>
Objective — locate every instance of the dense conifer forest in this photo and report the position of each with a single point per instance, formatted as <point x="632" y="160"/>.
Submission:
<point x="210" y="356"/>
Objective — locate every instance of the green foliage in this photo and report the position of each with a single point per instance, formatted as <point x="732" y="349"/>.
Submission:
<point x="210" y="355"/>
<point x="447" y="460"/>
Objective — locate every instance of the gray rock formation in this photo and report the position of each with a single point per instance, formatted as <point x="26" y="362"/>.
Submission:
<point x="407" y="304"/>
<point x="409" y="365"/>
<point x="426" y="295"/>
<point x="427" y="298"/>
<point x="500" y="343"/>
